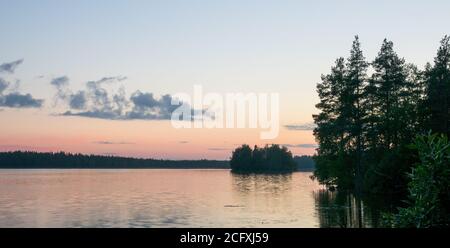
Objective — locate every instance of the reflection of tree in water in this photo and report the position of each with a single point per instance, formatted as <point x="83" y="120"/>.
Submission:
<point x="338" y="209"/>
<point x="262" y="183"/>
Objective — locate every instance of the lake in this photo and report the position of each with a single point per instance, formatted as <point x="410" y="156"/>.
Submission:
<point x="172" y="198"/>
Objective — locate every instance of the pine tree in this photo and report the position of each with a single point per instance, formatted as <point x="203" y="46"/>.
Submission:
<point x="331" y="132"/>
<point x="438" y="90"/>
<point x="389" y="79"/>
<point x="354" y="105"/>
<point x="412" y="98"/>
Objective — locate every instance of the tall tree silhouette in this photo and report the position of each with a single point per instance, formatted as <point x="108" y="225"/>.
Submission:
<point x="354" y="106"/>
<point x="367" y="122"/>
<point x="438" y="90"/>
<point x="389" y="79"/>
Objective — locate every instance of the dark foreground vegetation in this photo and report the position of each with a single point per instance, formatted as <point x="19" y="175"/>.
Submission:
<point x="386" y="132"/>
<point x="268" y="159"/>
<point x="61" y="160"/>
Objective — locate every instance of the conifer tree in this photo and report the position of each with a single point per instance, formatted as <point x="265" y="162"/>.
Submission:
<point x="438" y="90"/>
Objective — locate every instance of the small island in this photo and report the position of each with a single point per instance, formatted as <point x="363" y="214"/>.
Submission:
<point x="268" y="159"/>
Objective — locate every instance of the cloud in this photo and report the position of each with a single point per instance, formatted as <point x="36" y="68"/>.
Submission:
<point x="75" y="100"/>
<point x="183" y="142"/>
<point x="96" y="101"/>
<point x="301" y="127"/>
<point x="218" y="149"/>
<point x="3" y="85"/>
<point x="78" y="100"/>
<point x="301" y="145"/>
<point x="108" y="80"/>
<point x="60" y="81"/>
<point x="10" y="67"/>
<point x="103" y="142"/>
<point x="15" y="99"/>
<point x="145" y="106"/>
<point x="94" y="114"/>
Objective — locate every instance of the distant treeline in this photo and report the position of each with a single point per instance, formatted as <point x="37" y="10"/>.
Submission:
<point x="62" y="160"/>
<point x="273" y="158"/>
<point x="35" y="160"/>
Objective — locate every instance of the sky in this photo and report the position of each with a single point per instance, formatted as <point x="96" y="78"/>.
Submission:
<point x="62" y="53"/>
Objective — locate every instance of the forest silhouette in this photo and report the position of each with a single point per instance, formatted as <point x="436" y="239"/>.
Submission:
<point x="386" y="132"/>
<point x="273" y="158"/>
<point x="63" y="160"/>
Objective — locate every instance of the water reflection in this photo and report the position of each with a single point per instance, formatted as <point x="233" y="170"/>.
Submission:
<point x="274" y="184"/>
<point x="274" y="200"/>
<point x="172" y="198"/>
<point x="342" y="209"/>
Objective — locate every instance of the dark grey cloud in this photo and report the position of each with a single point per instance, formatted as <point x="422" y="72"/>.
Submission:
<point x="10" y="67"/>
<point x="301" y="145"/>
<point x="15" y="99"/>
<point x="301" y="127"/>
<point x="60" y="81"/>
<point x="95" y="101"/>
<point x="106" y="142"/>
<point x="3" y="85"/>
<point x="78" y="100"/>
<point x="75" y="100"/>
<point x="108" y="80"/>
<point x="94" y="114"/>
<point x="144" y="100"/>
<point x="145" y="106"/>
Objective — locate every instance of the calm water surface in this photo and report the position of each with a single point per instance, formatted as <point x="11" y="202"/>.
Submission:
<point x="171" y="198"/>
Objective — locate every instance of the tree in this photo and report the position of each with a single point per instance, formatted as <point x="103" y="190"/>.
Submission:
<point x="389" y="79"/>
<point x="332" y="132"/>
<point x="366" y="122"/>
<point x="241" y="158"/>
<point x="438" y="90"/>
<point x="271" y="158"/>
<point x="354" y="111"/>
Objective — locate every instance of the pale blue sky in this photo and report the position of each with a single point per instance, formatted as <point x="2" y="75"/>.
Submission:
<point x="168" y="46"/>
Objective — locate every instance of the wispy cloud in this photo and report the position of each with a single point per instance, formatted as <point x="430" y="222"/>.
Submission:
<point x="3" y="85"/>
<point x="301" y="145"/>
<point x="10" y="67"/>
<point x="301" y="127"/>
<point x="183" y="142"/>
<point x="218" y="149"/>
<point x="15" y="99"/>
<point x="106" y="142"/>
